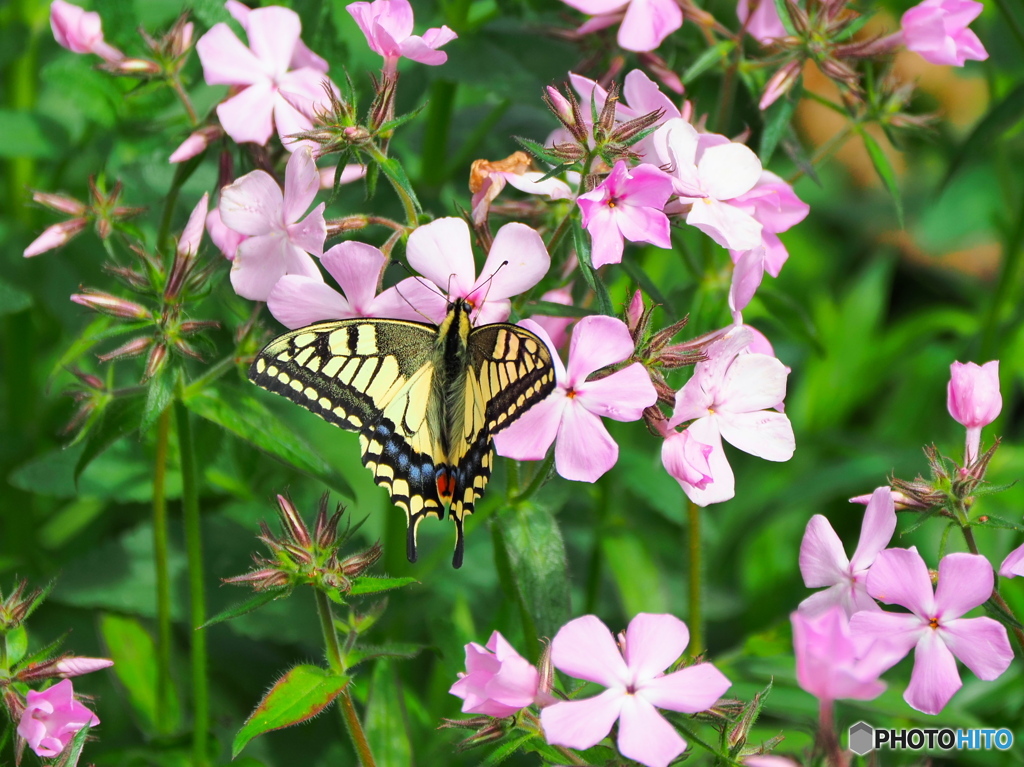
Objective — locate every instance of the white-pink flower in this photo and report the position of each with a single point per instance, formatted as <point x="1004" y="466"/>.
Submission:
<point x="571" y="416"/>
<point x="937" y="30"/>
<point x="763" y="24"/>
<point x="823" y="562"/>
<point x="192" y="234"/>
<point x="634" y="673"/>
<point x="278" y="240"/>
<point x="387" y="25"/>
<point x="645" y="23"/>
<point x="264" y="73"/>
<point x="1013" y="565"/>
<point x="498" y="681"/>
<point x="728" y="397"/>
<point x="80" y="31"/>
<point x="686" y="459"/>
<point x="935" y="628"/>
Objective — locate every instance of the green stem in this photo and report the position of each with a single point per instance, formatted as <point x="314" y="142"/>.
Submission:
<point x="182" y="94"/>
<point x="212" y="374"/>
<point x="197" y="597"/>
<point x="24" y="74"/>
<point x="696" y="573"/>
<point x="1011" y="20"/>
<point x="336" y="661"/>
<point x="728" y="92"/>
<point x="972" y="546"/>
<point x="827" y="738"/>
<point x="163" y="581"/>
<point x="1009" y="276"/>
<point x="539" y="478"/>
<point x="408" y="203"/>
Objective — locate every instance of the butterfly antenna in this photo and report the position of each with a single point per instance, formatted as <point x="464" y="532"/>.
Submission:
<point x="487" y="282"/>
<point x="430" y="320"/>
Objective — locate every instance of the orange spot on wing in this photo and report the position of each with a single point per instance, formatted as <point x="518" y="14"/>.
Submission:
<point x="445" y="484"/>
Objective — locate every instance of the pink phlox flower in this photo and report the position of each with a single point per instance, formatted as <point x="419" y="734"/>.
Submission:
<point x="192" y="234"/>
<point x="498" y="681"/>
<point x="1013" y="565"/>
<point x="80" y="31"/>
<point x="644" y="23"/>
<point x="627" y="204"/>
<point x="351" y="172"/>
<point x="227" y="240"/>
<point x="769" y="760"/>
<point x="709" y="170"/>
<point x="823" y="562"/>
<point x="263" y="73"/>
<point x="571" y="416"/>
<point x="531" y="182"/>
<point x="302" y="56"/>
<point x="686" y="459"/>
<point x="557" y="328"/>
<point x="298" y="300"/>
<point x="277" y="242"/>
<point x="442" y="252"/>
<point x="727" y="397"/>
<point x="937" y="30"/>
<point x="634" y="673"/>
<point x="934" y="627"/>
<point x="764" y="24"/>
<point x="973" y="399"/>
<point x="52" y="717"/>
<point x="387" y="25"/>
<point x="832" y="663"/>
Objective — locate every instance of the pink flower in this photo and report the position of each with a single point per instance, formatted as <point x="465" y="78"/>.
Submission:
<point x="686" y="459"/>
<point x="637" y="686"/>
<point x="226" y="240"/>
<point x="764" y="24"/>
<point x="557" y="328"/>
<point x="645" y="23"/>
<point x="935" y="626"/>
<point x="302" y="56"/>
<point x="195" y="143"/>
<point x="52" y="717"/>
<point x="708" y="170"/>
<point x="973" y="399"/>
<point x="80" y="31"/>
<point x="727" y="398"/>
<point x="626" y="204"/>
<point x="278" y="243"/>
<point x="1013" y="565"/>
<point x="498" y="680"/>
<point x="351" y="172"/>
<point x="298" y="300"/>
<point x="443" y="253"/>
<point x="387" y="25"/>
<point x="572" y="414"/>
<point x="56" y="235"/>
<point x="833" y="664"/>
<point x="192" y="234"/>
<point x="823" y="562"/>
<point x="937" y="30"/>
<point x="263" y="73"/>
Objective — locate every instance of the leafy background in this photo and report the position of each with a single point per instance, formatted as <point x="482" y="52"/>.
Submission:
<point x="867" y="313"/>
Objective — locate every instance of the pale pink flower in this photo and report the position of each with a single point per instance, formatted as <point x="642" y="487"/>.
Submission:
<point x="764" y="24"/>
<point x="277" y="242"/>
<point x="708" y="171"/>
<point x="442" y="251"/>
<point x="627" y="204"/>
<point x="302" y="56"/>
<point x="351" y="172"/>
<point x="571" y="416"/>
<point x="557" y="328"/>
<point x="56" y="235"/>
<point x="264" y="73"/>
<point x="52" y="717"/>
<point x="645" y="23"/>
<point x="634" y="673"/>
<point x="727" y="398"/>
<point x="80" y="31"/>
<point x="498" y="681"/>
<point x="192" y="234"/>
<point x="769" y="760"/>
<point x="298" y="300"/>
<point x="387" y="25"/>
<point x="937" y="30"/>
<point x="900" y="500"/>
<point x="195" y="143"/>
<point x="823" y="562"/>
<point x="76" y="666"/>
<point x="1013" y="565"/>
<point x="973" y="399"/>
<point x="934" y="627"/>
<point x="834" y="664"/>
<point x="226" y="240"/>
<point x="531" y="182"/>
<point x="686" y="459"/>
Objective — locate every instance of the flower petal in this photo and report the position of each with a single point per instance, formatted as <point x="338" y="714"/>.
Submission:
<point x="764" y="433"/>
<point x="623" y="395"/>
<point x="516" y="262"/>
<point x="727" y="225"/>
<point x="597" y="341"/>
<point x="645" y="735"/>
<point x="689" y="690"/>
<point x="584" y="450"/>
<point x="752" y="382"/>
<point x="900" y="577"/>
<point x="935" y="678"/>
<point x="530" y="436"/>
<point x="310" y="233"/>
<point x="252" y="204"/>
<point x="357" y="267"/>
<point x="581" y="723"/>
<point x="584" y="648"/>
<point x="261" y="261"/>
<point x="298" y="300"/>
<point x="226" y="61"/>
<point x="981" y="643"/>
<point x="723" y="482"/>
<point x="900" y="630"/>
<point x="823" y="561"/>
<point x="192" y="234"/>
<point x="273" y="34"/>
<point x="1013" y="565"/>
<point x="648" y="23"/>
<point x="965" y="581"/>
<point x="441" y="251"/>
<point x="876" y="530"/>
<point x="653" y="643"/>
<point x="728" y="170"/>
<point x="301" y="183"/>
<point x="249" y="116"/>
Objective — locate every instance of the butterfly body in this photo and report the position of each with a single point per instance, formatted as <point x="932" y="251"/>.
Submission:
<point x="424" y="399"/>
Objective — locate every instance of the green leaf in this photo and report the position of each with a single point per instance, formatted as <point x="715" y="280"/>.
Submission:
<point x="255" y="602"/>
<point x="707" y="60"/>
<point x="1000" y="119"/>
<point x="398" y="650"/>
<point x="1000" y="613"/>
<point x="991" y="520"/>
<point x="119" y="418"/>
<point x="50" y="474"/>
<point x="300" y="694"/>
<point x="534" y="553"/>
<point x="505" y="750"/>
<point x="159" y="393"/>
<point x="370" y="585"/>
<point x="133" y="651"/>
<point x="884" y="169"/>
<point x="581" y="243"/>
<point x="777" y="121"/>
<point x="12" y="299"/>
<point x="37" y="136"/>
<point x="248" y="418"/>
<point x="634" y="270"/>
<point x="385" y="720"/>
<point x="792" y="315"/>
<point x="17" y="644"/>
<point x="73" y="751"/>
<point x="782" y="10"/>
<point x="551" y="309"/>
<point x="538" y="150"/>
<point x="393" y="169"/>
<point x="69" y="521"/>
<point x="635" y="573"/>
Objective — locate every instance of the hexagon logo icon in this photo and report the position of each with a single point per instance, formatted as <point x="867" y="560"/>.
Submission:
<point x="861" y="738"/>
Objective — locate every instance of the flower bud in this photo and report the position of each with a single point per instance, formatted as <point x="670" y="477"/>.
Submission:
<point x="59" y="203"/>
<point x="112" y="305"/>
<point x="155" y="361"/>
<point x="973" y="399"/>
<point x="132" y="68"/>
<point x="294" y="526"/>
<point x="133" y="348"/>
<point x="55" y="236"/>
<point x="195" y="143"/>
<point x="779" y="84"/>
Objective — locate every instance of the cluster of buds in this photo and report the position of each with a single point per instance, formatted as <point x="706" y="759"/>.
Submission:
<point x="102" y="210"/>
<point x="90" y="393"/>
<point x="302" y="556"/>
<point x="951" y="488"/>
<point x="336" y="127"/>
<point x="18" y="605"/>
<point x="170" y="51"/>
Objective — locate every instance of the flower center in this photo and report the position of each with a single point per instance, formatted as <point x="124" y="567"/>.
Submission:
<point x="933" y="623"/>
<point x="570" y="393"/>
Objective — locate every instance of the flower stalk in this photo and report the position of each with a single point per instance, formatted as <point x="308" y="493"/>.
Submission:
<point x="163" y="581"/>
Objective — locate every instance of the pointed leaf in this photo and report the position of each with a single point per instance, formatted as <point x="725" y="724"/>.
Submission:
<point x="777" y="121"/>
<point x="159" y="393"/>
<point x="120" y="418"/>
<point x="551" y="309"/>
<point x="12" y="299"/>
<point x="73" y="751"/>
<point x="538" y="150"/>
<point x="707" y="60"/>
<point x="17" y="644"/>
<point x="398" y="650"/>
<point x="371" y="585"/>
<point x="386" y="721"/>
<point x="783" y="12"/>
<point x="255" y="602"/>
<point x="884" y="169"/>
<point x="581" y="243"/>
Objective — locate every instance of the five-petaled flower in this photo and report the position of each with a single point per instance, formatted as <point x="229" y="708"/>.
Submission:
<point x="935" y="626"/>
<point x="637" y="686"/>
<point x="571" y="416"/>
<point x="387" y="25"/>
<point x="645" y="23"/>
<point x="52" y="717"/>
<point x="498" y="680"/>
<point x="937" y="30"/>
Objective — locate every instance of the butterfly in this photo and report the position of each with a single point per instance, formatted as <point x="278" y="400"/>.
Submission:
<point x="425" y="399"/>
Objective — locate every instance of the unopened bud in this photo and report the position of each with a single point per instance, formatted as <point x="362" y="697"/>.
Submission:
<point x="779" y="84"/>
<point x="196" y="142"/>
<point x="112" y="305"/>
<point x="560" y="106"/>
<point x="295" y="528"/>
<point x="347" y="224"/>
<point x="189" y="327"/>
<point x="155" y="361"/>
<point x="568" y="152"/>
<point x="359" y="563"/>
<point x="132" y="68"/>
<point x="60" y="203"/>
<point x="631" y="131"/>
<point x="91" y="381"/>
<point x="55" y="236"/>
<point x="133" y="348"/>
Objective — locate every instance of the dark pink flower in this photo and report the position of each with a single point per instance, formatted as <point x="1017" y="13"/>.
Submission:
<point x="571" y="416"/>
<point x="973" y="399"/>
<point x="634" y="673"/>
<point x="387" y="25"/>
<point x="52" y="717"/>
<point x="644" y="23"/>
<point x="937" y="30"/>
<point x="498" y="681"/>
<point x="80" y="31"/>
<point x="764" y="24"/>
<point x="627" y="204"/>
<point x="934" y="628"/>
